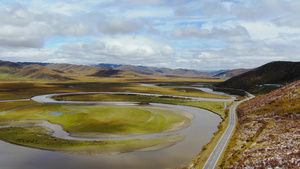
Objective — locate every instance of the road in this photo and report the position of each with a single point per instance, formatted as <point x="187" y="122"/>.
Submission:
<point x="217" y="152"/>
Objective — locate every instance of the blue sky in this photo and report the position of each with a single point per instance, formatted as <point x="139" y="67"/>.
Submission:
<point x="190" y="34"/>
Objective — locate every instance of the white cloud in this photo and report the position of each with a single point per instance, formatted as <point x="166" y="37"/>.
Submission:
<point x="119" y="49"/>
<point x="289" y="21"/>
<point x="235" y="33"/>
<point x="181" y="11"/>
<point x="23" y="28"/>
<point x="144" y="2"/>
<point x="117" y="25"/>
<point x="167" y="50"/>
<point x="206" y="34"/>
<point x="267" y="30"/>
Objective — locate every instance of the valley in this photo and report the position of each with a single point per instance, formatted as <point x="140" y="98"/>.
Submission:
<point x="149" y="84"/>
<point x="87" y="110"/>
<point x="127" y="128"/>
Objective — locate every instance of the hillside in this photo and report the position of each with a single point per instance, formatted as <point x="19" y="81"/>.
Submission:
<point x="59" y="72"/>
<point x="40" y="72"/>
<point x="136" y="69"/>
<point x="106" y="72"/>
<point x="71" y="69"/>
<point x="258" y="80"/>
<point x="231" y="73"/>
<point x="268" y="134"/>
<point x="84" y="70"/>
<point x="10" y="70"/>
<point x="9" y="67"/>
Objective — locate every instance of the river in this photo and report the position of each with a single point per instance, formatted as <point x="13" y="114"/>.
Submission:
<point x="198" y="134"/>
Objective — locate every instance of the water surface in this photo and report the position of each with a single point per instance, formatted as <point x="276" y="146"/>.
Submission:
<point x="198" y="134"/>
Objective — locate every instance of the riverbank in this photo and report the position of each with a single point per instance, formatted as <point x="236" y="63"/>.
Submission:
<point x="202" y="125"/>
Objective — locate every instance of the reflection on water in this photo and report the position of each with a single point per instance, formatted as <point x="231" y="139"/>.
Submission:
<point x="198" y="134"/>
<point x="209" y="90"/>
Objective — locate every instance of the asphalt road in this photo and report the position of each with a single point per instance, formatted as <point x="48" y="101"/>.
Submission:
<point x="217" y="152"/>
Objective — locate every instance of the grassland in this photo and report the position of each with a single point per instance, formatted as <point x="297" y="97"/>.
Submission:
<point x="37" y="137"/>
<point x="216" y="107"/>
<point x="80" y="120"/>
<point x="103" y="119"/>
<point x="10" y="91"/>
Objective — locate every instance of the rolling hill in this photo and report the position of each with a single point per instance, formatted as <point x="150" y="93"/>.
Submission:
<point x="10" y="70"/>
<point x="73" y="70"/>
<point x="58" y="72"/>
<point x="84" y="70"/>
<point x="265" y="78"/>
<point x="139" y="70"/>
<point x="268" y="132"/>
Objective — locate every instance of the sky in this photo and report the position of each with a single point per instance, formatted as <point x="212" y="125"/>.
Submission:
<point x="189" y="34"/>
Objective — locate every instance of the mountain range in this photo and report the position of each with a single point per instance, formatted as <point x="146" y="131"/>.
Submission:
<point x="107" y="70"/>
<point x="258" y="80"/>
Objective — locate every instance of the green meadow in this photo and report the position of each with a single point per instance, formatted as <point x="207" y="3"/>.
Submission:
<point x="96" y="118"/>
<point x="88" y="120"/>
<point x="216" y="107"/>
<point x="37" y="137"/>
<point x="85" y="119"/>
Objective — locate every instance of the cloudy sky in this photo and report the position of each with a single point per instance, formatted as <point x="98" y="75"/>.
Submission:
<point x="192" y="34"/>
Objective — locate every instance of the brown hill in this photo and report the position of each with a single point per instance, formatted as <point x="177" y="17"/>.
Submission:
<point x="39" y="72"/>
<point x="268" y="134"/>
<point x="136" y="69"/>
<point x="9" y="67"/>
<point x="15" y="70"/>
<point x="73" y="69"/>
<point x="83" y="70"/>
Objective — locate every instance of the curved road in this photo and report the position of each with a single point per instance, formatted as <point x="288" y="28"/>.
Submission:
<point x="217" y="152"/>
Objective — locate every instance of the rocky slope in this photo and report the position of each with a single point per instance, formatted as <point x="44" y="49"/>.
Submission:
<point x="268" y="134"/>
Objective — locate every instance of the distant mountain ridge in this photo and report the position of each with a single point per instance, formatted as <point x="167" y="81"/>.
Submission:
<point x="16" y="70"/>
<point x="279" y="72"/>
<point x="108" y="65"/>
<point x="84" y="70"/>
<point x="145" y="70"/>
<point x="164" y="71"/>
<point x="58" y="71"/>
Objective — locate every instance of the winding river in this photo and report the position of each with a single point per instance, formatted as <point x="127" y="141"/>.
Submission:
<point x="197" y="134"/>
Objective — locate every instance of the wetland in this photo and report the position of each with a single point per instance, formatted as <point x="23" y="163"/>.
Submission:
<point x="179" y="137"/>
